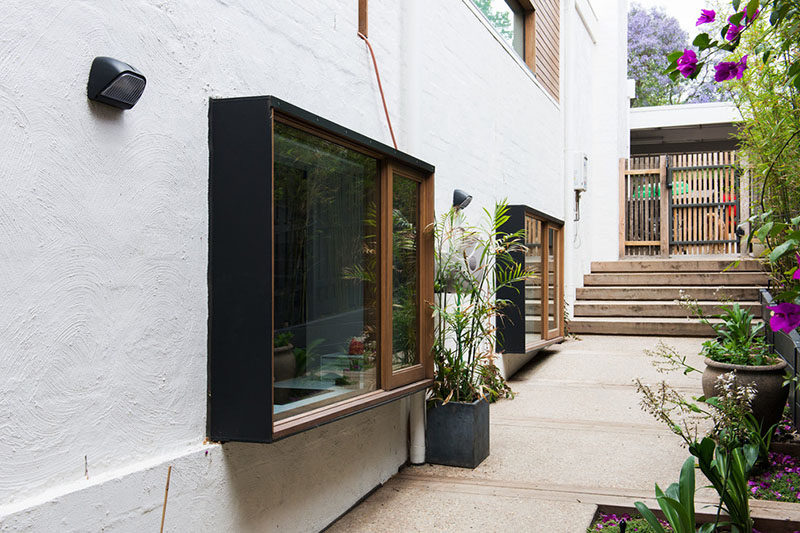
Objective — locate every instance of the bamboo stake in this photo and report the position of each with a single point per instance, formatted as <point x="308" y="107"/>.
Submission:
<point x="166" y="493"/>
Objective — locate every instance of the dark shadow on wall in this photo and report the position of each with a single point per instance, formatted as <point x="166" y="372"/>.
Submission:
<point x="105" y="112"/>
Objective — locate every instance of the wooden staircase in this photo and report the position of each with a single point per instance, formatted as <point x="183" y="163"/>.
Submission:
<point x="640" y="297"/>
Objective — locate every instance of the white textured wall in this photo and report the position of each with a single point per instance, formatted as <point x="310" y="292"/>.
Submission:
<point x="103" y="236"/>
<point x="610" y="135"/>
<point x="580" y="53"/>
<point x="596" y="118"/>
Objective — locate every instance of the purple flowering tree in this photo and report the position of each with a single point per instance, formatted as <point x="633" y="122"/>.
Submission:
<point x="652" y="34"/>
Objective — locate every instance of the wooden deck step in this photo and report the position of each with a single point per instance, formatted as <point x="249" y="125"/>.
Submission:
<point x="534" y="307"/>
<point x="676" y="265"/>
<point x="744" y="293"/>
<point x="676" y="279"/>
<point x="535" y="293"/>
<point x="670" y="327"/>
<point x="640" y="296"/>
<point x="534" y="325"/>
<point x="648" y="308"/>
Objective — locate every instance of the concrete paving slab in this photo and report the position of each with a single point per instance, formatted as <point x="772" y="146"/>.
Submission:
<point x="589" y="361"/>
<point x="573" y="437"/>
<point x="579" y="455"/>
<point x="557" y="401"/>
<point x="396" y="507"/>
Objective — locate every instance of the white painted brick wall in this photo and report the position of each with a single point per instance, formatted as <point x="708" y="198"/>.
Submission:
<point x="103" y="232"/>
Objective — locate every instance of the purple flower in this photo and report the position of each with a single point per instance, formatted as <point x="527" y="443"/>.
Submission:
<point x="745" y="20"/>
<point x="706" y="16"/>
<point x="727" y="70"/>
<point x="687" y="63"/>
<point x="796" y="274"/>
<point x="741" y="66"/>
<point x="733" y="31"/>
<point x="785" y="317"/>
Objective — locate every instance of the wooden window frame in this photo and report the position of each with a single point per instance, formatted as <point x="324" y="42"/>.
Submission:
<point x="558" y="284"/>
<point x="241" y="135"/>
<point x="529" y="33"/>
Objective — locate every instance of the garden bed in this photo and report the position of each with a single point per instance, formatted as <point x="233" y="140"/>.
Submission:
<point x="607" y="517"/>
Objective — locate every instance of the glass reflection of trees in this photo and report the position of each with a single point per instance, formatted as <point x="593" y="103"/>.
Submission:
<point x="324" y="214"/>
<point x="404" y="272"/>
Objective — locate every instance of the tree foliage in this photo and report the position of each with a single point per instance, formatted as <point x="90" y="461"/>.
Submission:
<point x="501" y="20"/>
<point x="652" y="34"/>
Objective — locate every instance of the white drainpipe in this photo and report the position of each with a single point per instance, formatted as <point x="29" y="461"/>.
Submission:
<point x="416" y="437"/>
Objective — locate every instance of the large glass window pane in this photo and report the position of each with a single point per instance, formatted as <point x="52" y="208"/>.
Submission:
<point x="405" y="222"/>
<point x="325" y="308"/>
<point x="533" y="285"/>
<point x="508" y="18"/>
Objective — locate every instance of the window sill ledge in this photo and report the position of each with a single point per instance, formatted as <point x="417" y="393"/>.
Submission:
<point x="330" y="413"/>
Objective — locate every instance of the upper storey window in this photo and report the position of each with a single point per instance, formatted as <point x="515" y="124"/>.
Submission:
<point x="532" y="29"/>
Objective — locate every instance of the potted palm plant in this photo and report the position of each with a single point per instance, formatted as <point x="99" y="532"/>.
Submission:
<point x="466" y="378"/>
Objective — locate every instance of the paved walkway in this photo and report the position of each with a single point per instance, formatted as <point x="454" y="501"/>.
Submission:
<point x="574" y="437"/>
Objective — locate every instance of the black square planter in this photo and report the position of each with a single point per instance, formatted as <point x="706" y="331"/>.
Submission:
<point x="457" y="434"/>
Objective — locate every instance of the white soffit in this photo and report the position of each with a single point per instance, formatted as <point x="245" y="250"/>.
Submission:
<point x="667" y="116"/>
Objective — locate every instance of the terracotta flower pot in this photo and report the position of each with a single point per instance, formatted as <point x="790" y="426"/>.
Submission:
<point x="770" y="396"/>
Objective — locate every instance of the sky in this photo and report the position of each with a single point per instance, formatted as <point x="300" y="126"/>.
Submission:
<point x="686" y="11"/>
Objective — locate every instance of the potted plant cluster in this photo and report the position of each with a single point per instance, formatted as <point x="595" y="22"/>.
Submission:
<point x="740" y="347"/>
<point x="466" y="378"/>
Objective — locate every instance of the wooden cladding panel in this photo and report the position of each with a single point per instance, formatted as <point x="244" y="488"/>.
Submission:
<point x="546" y="63"/>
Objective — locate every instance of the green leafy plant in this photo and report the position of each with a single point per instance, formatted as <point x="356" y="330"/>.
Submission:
<point x="283" y="339"/>
<point x="757" y="436"/>
<point x="728" y="470"/>
<point x="677" y="503"/>
<point x="302" y="355"/>
<point x="739" y="340"/>
<point x="467" y="281"/>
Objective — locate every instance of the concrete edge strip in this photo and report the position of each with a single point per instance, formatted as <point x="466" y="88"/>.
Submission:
<point x="599" y="496"/>
<point x="582" y="425"/>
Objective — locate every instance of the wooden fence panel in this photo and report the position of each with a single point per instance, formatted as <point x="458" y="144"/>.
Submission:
<point x="704" y="204"/>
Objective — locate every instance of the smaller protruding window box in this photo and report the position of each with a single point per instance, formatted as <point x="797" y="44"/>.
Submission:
<point x="535" y="317"/>
<point x="320" y="271"/>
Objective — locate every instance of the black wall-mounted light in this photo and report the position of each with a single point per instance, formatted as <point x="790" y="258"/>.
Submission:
<point x="115" y="83"/>
<point x="461" y="199"/>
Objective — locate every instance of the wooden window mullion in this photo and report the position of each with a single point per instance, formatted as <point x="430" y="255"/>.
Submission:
<point x="385" y="277"/>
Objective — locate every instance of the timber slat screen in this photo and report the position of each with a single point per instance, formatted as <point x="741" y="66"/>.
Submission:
<point x="641" y="184"/>
<point x="698" y="215"/>
<point x="705" y="203"/>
